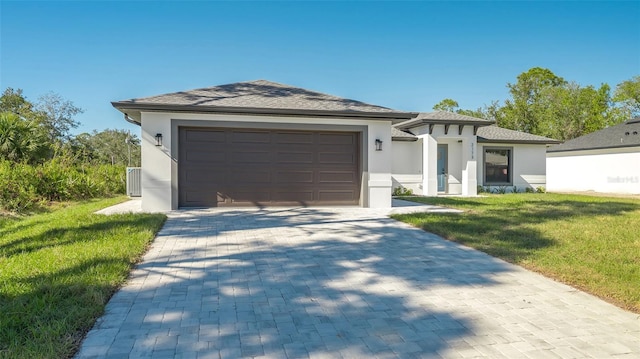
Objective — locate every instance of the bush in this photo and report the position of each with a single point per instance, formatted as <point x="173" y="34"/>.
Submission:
<point x="17" y="187"/>
<point x="402" y="191"/>
<point x="528" y="190"/>
<point x="23" y="186"/>
<point x="541" y="189"/>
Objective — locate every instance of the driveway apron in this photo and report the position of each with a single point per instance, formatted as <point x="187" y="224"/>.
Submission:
<point x="342" y="283"/>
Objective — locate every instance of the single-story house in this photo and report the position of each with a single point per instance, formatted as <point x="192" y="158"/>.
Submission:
<point x="264" y="143"/>
<point x="606" y="161"/>
<point x="464" y="152"/>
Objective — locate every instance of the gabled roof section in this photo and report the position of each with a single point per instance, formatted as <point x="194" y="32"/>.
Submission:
<point x="623" y="135"/>
<point x="497" y="134"/>
<point x="398" y="135"/>
<point x="258" y="97"/>
<point x="442" y="118"/>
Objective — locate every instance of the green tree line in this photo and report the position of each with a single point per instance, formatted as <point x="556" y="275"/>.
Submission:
<point x="42" y="161"/>
<point x="542" y="103"/>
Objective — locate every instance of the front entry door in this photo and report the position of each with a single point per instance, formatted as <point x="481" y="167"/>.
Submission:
<point x="442" y="167"/>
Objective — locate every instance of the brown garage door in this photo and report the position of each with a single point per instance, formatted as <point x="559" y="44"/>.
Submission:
<point x="240" y="167"/>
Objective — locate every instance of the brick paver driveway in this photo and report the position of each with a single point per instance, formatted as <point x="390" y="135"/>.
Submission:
<point x="297" y="283"/>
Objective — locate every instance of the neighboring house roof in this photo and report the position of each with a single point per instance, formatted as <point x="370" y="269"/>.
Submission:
<point x="497" y="134"/>
<point x="442" y="118"/>
<point x="258" y="97"/>
<point x="623" y="135"/>
<point x="398" y="135"/>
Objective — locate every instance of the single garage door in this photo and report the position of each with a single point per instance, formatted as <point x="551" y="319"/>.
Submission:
<point x="241" y="167"/>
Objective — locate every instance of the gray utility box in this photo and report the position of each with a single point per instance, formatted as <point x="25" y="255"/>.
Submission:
<point x="134" y="181"/>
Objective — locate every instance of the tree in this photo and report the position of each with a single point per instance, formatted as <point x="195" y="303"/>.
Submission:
<point x="447" y="104"/>
<point x="108" y="147"/>
<point x="523" y="111"/>
<point x="21" y="140"/>
<point x="14" y="102"/>
<point x="57" y="116"/>
<point x="571" y="111"/>
<point x="627" y="94"/>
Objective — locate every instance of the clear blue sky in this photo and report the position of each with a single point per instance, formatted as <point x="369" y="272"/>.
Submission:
<point x="403" y="55"/>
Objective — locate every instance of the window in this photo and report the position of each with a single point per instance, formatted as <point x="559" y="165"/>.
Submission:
<point x="497" y="166"/>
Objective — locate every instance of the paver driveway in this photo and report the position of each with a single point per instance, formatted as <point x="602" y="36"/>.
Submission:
<point x="350" y="282"/>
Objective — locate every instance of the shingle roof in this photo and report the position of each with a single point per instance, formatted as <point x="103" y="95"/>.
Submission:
<point x="259" y="97"/>
<point x="623" y="135"/>
<point x="443" y="117"/>
<point x="398" y="135"/>
<point x="499" y="134"/>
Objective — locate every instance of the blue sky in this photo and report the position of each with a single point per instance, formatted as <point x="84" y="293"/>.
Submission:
<point x="403" y="55"/>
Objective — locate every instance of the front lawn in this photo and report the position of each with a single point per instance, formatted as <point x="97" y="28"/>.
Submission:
<point x="57" y="271"/>
<point x="591" y="243"/>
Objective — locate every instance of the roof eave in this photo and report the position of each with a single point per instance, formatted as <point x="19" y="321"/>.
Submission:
<point x="531" y="142"/>
<point x="419" y="122"/>
<point x="395" y="117"/>
<point x="592" y="148"/>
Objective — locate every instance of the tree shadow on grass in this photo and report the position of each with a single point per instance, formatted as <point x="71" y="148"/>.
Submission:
<point x="508" y="231"/>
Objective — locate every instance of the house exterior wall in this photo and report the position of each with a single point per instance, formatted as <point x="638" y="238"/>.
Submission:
<point x="406" y="166"/>
<point x="160" y="163"/>
<point x="528" y="164"/>
<point x="606" y="171"/>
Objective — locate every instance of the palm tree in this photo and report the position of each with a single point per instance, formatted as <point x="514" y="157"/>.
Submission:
<point x="21" y="139"/>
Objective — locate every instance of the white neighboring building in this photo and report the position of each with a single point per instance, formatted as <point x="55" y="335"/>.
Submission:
<point x="606" y="161"/>
<point x="447" y="153"/>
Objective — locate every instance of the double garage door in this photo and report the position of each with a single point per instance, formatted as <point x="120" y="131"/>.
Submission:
<point x="248" y="167"/>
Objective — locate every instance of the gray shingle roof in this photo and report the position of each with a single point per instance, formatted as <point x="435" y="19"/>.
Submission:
<point x="398" y="135"/>
<point x="259" y="97"/>
<point x="623" y="135"/>
<point x="498" y="134"/>
<point x="443" y="117"/>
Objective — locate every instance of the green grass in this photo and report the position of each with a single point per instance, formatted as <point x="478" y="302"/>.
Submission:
<point x="591" y="243"/>
<point x="58" y="269"/>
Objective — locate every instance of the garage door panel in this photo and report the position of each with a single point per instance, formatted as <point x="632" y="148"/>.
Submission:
<point x="204" y="198"/>
<point x="330" y="177"/>
<point x="295" y="157"/>
<point x="336" y="158"/>
<point x="210" y="157"/>
<point x="204" y="176"/>
<point x="236" y="167"/>
<point x="250" y="157"/>
<point x="336" y="139"/>
<point x="247" y="197"/>
<point x="293" y="138"/>
<point x="257" y="177"/>
<point x="294" y="177"/>
<point x="205" y="136"/>
<point x="250" y="137"/>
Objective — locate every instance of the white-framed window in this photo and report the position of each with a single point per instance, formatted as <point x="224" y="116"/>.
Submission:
<point x="498" y="165"/>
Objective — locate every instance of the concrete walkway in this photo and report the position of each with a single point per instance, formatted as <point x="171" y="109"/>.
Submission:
<point x="342" y="283"/>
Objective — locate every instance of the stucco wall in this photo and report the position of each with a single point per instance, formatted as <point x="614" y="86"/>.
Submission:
<point x="160" y="167"/>
<point x="606" y="171"/>
<point x="529" y="164"/>
<point x="406" y="166"/>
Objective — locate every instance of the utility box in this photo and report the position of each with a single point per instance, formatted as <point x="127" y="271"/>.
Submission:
<point x="134" y="181"/>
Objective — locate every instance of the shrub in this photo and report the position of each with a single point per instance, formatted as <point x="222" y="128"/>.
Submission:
<point x="17" y="187"/>
<point x="23" y="186"/>
<point x="402" y="191"/>
<point x="541" y="189"/>
<point x="528" y="190"/>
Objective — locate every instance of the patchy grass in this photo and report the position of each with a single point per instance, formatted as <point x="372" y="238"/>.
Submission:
<point x="591" y="243"/>
<point x="59" y="268"/>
